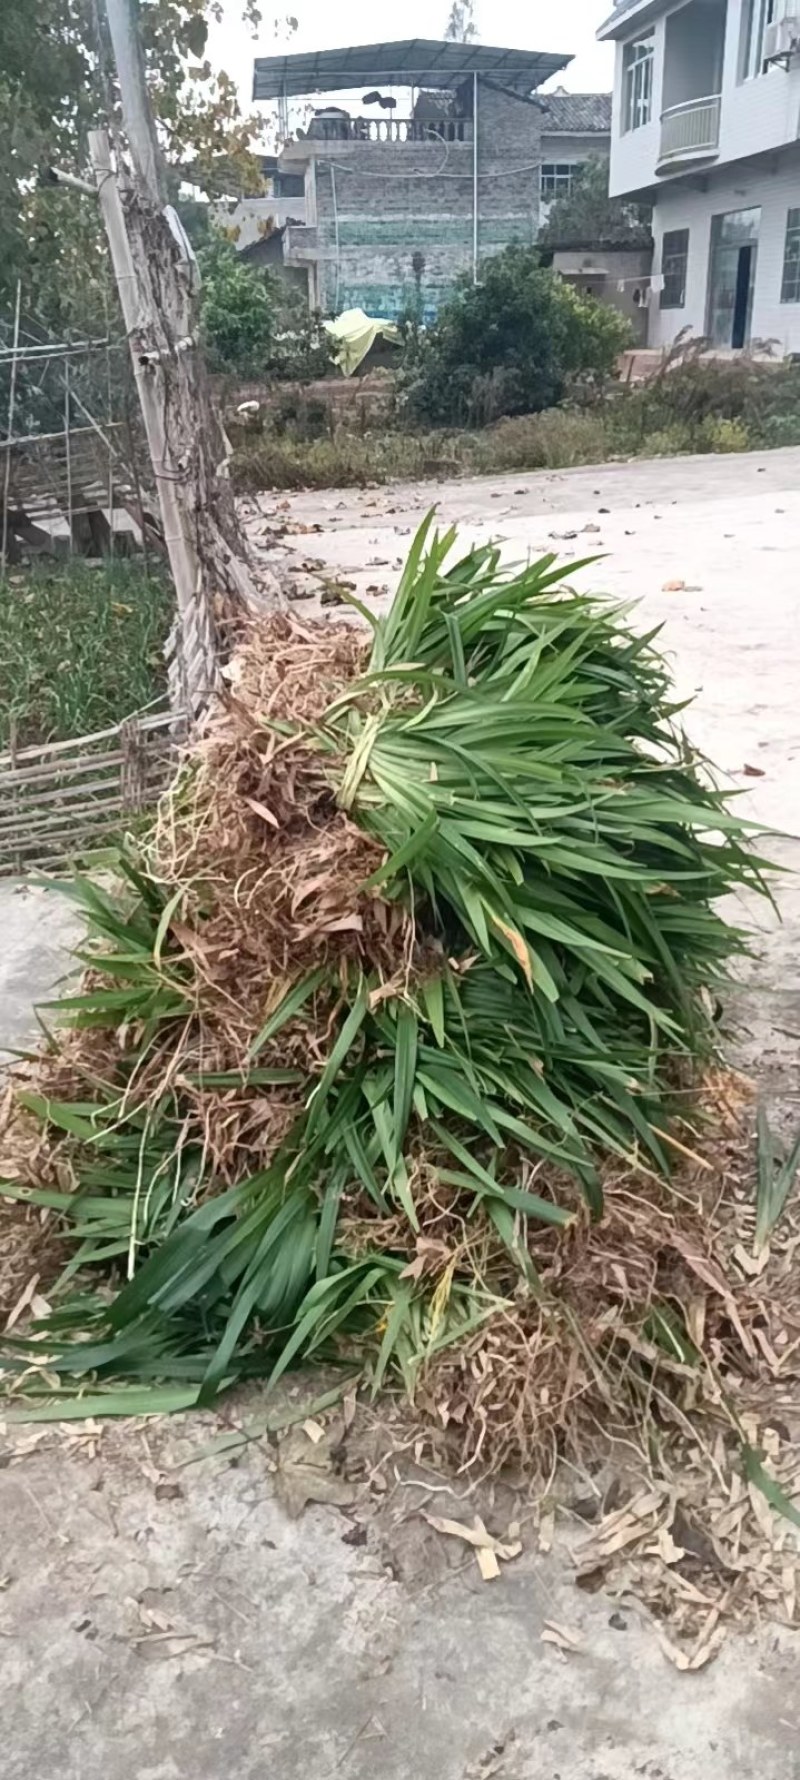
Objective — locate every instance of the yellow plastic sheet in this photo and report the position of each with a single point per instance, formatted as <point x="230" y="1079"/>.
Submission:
<point x="353" y="333"/>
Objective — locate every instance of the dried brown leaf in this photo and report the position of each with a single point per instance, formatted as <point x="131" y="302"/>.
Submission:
<point x="565" y="1640"/>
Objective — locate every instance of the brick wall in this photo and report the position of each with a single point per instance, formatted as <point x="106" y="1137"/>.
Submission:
<point x="377" y="205"/>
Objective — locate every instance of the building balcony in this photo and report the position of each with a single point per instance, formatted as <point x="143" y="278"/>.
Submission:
<point x="337" y="127"/>
<point x="689" y="132"/>
<point x="300" y="244"/>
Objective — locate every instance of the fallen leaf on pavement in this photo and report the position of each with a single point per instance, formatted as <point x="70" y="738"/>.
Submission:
<point x="487" y="1548"/>
<point x="568" y="1642"/>
<point x="546" y="1529"/>
<point x="711" y="1638"/>
<point x="305" y="1474"/>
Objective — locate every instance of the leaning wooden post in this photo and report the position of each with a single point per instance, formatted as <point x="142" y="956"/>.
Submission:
<point x="157" y="278"/>
<point x="149" y="375"/>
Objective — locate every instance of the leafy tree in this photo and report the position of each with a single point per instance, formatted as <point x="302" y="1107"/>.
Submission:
<point x="587" y="217"/>
<point x="460" y="27"/>
<point x="54" y="86"/>
<point x="509" y="344"/>
<point x="255" y="325"/>
<point x="237" y="310"/>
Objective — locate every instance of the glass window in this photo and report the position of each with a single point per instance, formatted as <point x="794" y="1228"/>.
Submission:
<point x="556" y="178"/>
<point x="674" y="255"/>
<point x="756" y="15"/>
<point x="637" y="83"/>
<point x="790" y="283"/>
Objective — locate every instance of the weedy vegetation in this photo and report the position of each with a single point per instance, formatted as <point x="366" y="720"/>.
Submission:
<point x="83" y="646"/>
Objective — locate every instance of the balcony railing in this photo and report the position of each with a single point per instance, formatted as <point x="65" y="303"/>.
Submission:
<point x="690" y="129"/>
<point x="389" y="129"/>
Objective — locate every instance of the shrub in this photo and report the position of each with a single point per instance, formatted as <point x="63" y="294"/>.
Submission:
<point x="551" y="441"/>
<point x="699" y="407"/>
<point x="508" y="345"/>
<point x="279" y="459"/>
<point x="667" y="441"/>
<point x="780" y="429"/>
<point x="301" y="350"/>
<point x="719" y="434"/>
<point x="342" y="460"/>
<point x="237" y="310"/>
<point x="255" y="325"/>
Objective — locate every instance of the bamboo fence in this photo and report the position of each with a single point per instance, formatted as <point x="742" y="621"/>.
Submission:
<point x="65" y="799"/>
<point x="75" y="479"/>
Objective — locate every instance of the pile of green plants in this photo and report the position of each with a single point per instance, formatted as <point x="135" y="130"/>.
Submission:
<point x="83" y="646"/>
<point x="425" y="942"/>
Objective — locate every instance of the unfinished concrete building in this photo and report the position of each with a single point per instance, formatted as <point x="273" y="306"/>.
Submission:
<point x="440" y="166"/>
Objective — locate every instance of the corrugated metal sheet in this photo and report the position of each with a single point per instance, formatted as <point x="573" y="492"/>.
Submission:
<point x="413" y="61"/>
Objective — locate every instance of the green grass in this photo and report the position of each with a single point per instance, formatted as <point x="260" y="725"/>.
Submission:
<point x="82" y="647"/>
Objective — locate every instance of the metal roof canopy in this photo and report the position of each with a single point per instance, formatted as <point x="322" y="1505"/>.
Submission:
<point x="415" y="61"/>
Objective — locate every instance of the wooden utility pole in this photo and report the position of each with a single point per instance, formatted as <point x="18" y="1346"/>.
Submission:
<point x="149" y="380"/>
<point x="157" y="281"/>
<point x="140" y="129"/>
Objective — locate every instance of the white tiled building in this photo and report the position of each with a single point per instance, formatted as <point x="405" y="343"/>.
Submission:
<point x="706" y="127"/>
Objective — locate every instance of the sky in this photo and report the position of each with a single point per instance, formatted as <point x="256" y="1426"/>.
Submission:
<point x="568" y="27"/>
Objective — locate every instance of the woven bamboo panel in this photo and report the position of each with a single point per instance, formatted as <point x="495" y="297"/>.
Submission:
<point x="59" y="800"/>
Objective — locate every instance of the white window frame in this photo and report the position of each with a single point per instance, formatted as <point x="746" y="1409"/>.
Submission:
<point x="637" y="82"/>
<point x="756" y="15"/>
<point x="674" y="269"/>
<point x="556" y="179"/>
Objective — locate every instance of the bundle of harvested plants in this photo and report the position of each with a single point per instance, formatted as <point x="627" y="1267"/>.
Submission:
<point x="427" y="932"/>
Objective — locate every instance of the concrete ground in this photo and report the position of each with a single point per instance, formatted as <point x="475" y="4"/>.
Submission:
<point x="38" y="927"/>
<point x="177" y="1625"/>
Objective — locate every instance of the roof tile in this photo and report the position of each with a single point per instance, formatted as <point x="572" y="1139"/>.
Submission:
<point x="585" y="113"/>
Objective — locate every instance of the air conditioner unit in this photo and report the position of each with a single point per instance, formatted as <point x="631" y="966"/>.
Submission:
<point x="781" y="38"/>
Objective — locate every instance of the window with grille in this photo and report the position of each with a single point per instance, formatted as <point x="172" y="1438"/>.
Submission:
<point x="637" y="83"/>
<point x="674" y="257"/>
<point x="556" y="178"/>
<point x="790" y="283"/>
